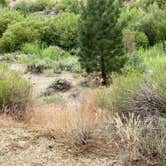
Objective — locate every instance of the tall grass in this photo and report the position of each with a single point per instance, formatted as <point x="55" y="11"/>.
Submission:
<point x="139" y="92"/>
<point x="41" y="50"/>
<point x="14" y="92"/>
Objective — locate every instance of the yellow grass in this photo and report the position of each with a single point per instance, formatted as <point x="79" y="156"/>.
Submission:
<point x="69" y="116"/>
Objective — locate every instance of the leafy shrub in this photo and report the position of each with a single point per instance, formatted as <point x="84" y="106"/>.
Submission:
<point x="61" y="85"/>
<point x="35" y="68"/>
<point x="39" y="65"/>
<point x="3" y="3"/>
<point x="40" y="51"/>
<point x="38" y="5"/>
<point x="134" y="39"/>
<point x="149" y="20"/>
<point x="8" y="17"/>
<point x="69" y="5"/>
<point x="62" y="31"/>
<point x="17" y="34"/>
<point x="142" y="94"/>
<point x="70" y="64"/>
<point x="14" y="92"/>
<point x="134" y="62"/>
<point x="53" y="99"/>
<point x="142" y="142"/>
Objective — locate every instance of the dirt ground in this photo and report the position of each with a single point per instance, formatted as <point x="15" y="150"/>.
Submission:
<point x="20" y="146"/>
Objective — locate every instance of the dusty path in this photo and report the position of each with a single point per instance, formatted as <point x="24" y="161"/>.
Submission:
<point x="18" y="143"/>
<point x="18" y="147"/>
<point x="40" y="82"/>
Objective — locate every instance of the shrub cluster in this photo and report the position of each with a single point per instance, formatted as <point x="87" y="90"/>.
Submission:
<point x="28" y="30"/>
<point x="137" y="93"/>
<point x="14" y="92"/>
<point x="61" y="31"/>
<point x="39" y="5"/>
<point x="8" y="17"/>
<point x="147" y="18"/>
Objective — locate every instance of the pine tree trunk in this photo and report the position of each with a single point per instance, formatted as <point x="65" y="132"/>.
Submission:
<point x="103" y="72"/>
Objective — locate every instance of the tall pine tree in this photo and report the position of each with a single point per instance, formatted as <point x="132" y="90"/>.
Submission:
<point x="101" y="37"/>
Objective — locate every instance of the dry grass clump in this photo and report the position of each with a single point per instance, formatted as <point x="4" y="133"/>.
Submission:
<point x="15" y="93"/>
<point x="83" y="129"/>
<point x="141" y="95"/>
<point x="141" y="143"/>
<point x="67" y="116"/>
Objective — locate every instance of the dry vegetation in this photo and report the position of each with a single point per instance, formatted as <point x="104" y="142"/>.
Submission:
<point x="52" y="112"/>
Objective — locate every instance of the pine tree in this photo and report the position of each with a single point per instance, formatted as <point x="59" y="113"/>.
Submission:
<point x="101" y="37"/>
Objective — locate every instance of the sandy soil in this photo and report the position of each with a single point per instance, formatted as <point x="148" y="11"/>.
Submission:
<point x="20" y="146"/>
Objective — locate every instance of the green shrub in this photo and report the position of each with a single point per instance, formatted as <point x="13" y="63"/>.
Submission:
<point x="17" y="34"/>
<point x="61" y="85"/>
<point x="39" y="65"/>
<point x="122" y="90"/>
<point x="14" y="92"/>
<point x="40" y="51"/>
<point x="69" y="5"/>
<point x="38" y="5"/>
<point x="134" y="39"/>
<point x="53" y="99"/>
<point x="149" y="20"/>
<point x="8" y="17"/>
<point x="62" y="31"/>
<point x="70" y="64"/>
<point x="135" y="62"/>
<point x="3" y="3"/>
<point x="143" y="95"/>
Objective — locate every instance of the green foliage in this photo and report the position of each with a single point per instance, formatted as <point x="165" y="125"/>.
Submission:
<point x="3" y="3"/>
<point x="17" y="34"/>
<point x="101" y="37"/>
<point x="39" y="5"/>
<point x="61" y="85"/>
<point x="149" y="20"/>
<point x="8" y="17"/>
<point x="70" y="64"/>
<point x="138" y="92"/>
<point x="69" y="5"/>
<point x="53" y="99"/>
<point x="40" y="51"/>
<point x="135" y="62"/>
<point x="133" y="40"/>
<point x="62" y="31"/>
<point x="14" y="91"/>
<point x="122" y="90"/>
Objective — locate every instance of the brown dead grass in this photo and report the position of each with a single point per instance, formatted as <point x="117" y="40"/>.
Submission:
<point x="68" y="116"/>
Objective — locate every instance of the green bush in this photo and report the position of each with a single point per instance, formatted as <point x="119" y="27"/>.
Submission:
<point x="3" y="3"/>
<point x="150" y="21"/>
<point x="14" y="92"/>
<point x="70" y="64"/>
<point x="62" y="31"/>
<point x="8" y="17"/>
<point x="69" y="5"/>
<point x="122" y="90"/>
<point x="40" y="51"/>
<point x="135" y="62"/>
<point x="133" y="40"/>
<point x="39" y="5"/>
<point x="141" y="93"/>
<point x="17" y="34"/>
<point x="37" y="66"/>
<point x="60" y="85"/>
